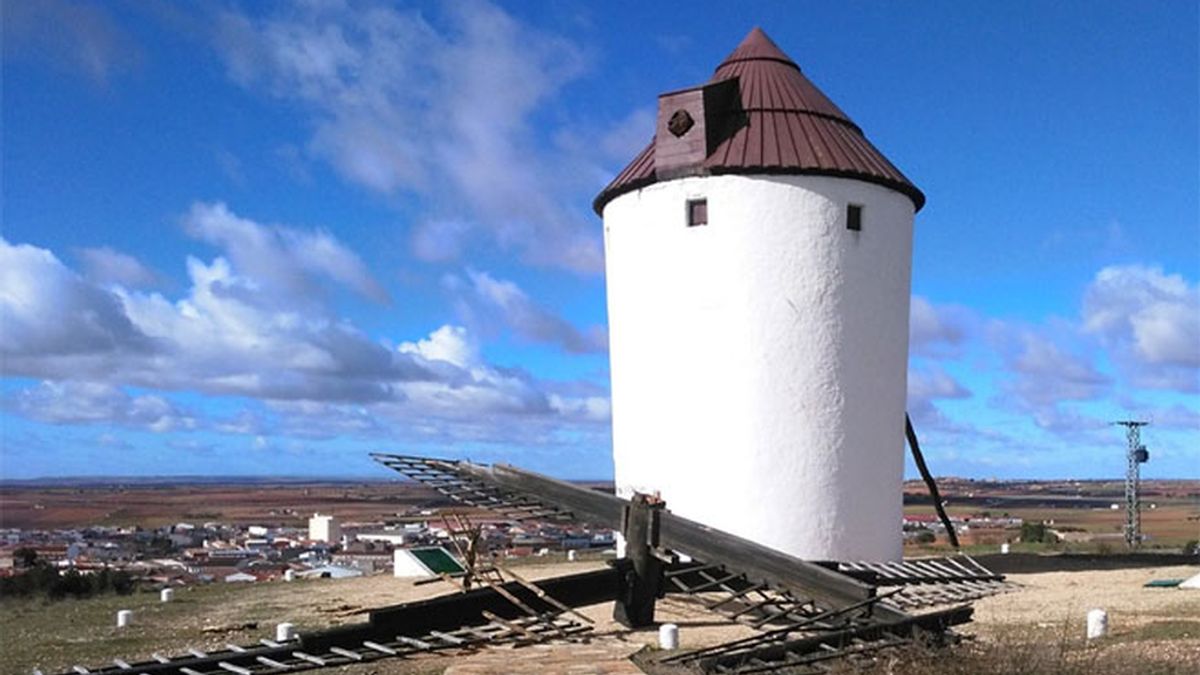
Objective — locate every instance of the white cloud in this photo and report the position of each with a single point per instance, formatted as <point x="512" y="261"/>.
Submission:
<point x="629" y="136"/>
<point x="447" y="113"/>
<point x="281" y="260"/>
<point x="1045" y="373"/>
<point x="440" y="240"/>
<point x="228" y="336"/>
<point x="71" y="402"/>
<point x="74" y="36"/>
<point x="936" y="331"/>
<point x="451" y="344"/>
<point x="106" y="266"/>
<point x="237" y="333"/>
<point x="1176" y="417"/>
<point x="934" y="383"/>
<point x="502" y="302"/>
<point x="49" y="311"/>
<point x="927" y="385"/>
<point x="1150" y="322"/>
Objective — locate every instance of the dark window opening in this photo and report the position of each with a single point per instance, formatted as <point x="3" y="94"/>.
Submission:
<point x="854" y="217"/>
<point x="697" y="212"/>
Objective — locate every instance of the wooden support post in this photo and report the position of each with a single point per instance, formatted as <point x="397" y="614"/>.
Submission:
<point x="643" y="575"/>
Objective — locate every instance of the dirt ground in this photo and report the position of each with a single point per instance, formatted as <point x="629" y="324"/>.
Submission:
<point x="1053" y="599"/>
<point x="1159" y="626"/>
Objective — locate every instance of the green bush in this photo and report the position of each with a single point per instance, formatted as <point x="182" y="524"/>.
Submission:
<point x="1037" y="533"/>
<point x="44" y="580"/>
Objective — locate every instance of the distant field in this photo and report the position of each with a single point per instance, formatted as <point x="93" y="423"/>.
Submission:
<point x="1174" y="520"/>
<point x="1170" y="509"/>
<point x="154" y="506"/>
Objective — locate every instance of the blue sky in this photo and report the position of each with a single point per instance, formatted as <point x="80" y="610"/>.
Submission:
<point x="267" y="238"/>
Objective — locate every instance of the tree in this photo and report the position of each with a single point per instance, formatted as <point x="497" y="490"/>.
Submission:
<point x="1037" y="533"/>
<point x="25" y="557"/>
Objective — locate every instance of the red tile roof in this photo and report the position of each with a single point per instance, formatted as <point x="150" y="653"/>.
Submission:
<point x="784" y="125"/>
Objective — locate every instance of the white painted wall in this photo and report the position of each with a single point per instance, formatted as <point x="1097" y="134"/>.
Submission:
<point x="759" y="362"/>
<point x="324" y="528"/>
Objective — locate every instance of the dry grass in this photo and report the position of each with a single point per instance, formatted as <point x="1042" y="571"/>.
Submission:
<point x="1036" y="630"/>
<point x="1060" y="654"/>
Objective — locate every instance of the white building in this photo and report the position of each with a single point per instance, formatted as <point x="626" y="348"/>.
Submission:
<point x="758" y="260"/>
<point x="324" y="528"/>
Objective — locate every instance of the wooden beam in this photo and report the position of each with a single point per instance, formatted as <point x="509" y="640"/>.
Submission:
<point x="680" y="534"/>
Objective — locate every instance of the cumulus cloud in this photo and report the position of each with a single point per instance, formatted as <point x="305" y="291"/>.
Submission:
<point x="71" y="402"/>
<point x="440" y="240"/>
<point x="1150" y="323"/>
<point x="936" y="330"/>
<point x="473" y="401"/>
<point x="48" y="311"/>
<point x="450" y="344"/>
<point x="1176" y="417"/>
<point x="227" y="337"/>
<point x="495" y="301"/>
<point x="927" y="385"/>
<point x="1046" y="374"/>
<point x="934" y="383"/>
<point x="281" y="260"/>
<point x="107" y="266"/>
<point x="446" y="113"/>
<point x="74" y="36"/>
<point x="629" y="136"/>
<point x="244" y="329"/>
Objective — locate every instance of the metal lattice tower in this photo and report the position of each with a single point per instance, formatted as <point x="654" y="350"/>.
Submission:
<point x="1135" y="455"/>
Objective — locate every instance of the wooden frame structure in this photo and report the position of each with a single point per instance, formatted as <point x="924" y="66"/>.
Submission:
<point x="809" y="612"/>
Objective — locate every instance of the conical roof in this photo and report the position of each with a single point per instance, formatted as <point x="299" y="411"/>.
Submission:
<point x="784" y="125"/>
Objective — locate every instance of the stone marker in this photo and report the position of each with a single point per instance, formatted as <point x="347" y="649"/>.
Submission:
<point x="668" y="636"/>
<point x="1097" y="624"/>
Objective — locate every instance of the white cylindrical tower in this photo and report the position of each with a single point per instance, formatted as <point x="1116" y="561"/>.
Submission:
<point x="758" y="266"/>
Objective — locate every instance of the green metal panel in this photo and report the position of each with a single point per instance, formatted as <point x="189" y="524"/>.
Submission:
<point x="438" y="560"/>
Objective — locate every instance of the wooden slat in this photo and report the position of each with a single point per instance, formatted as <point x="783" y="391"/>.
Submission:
<point x="375" y="646"/>
<point x="413" y="642"/>
<point x="447" y="637"/>
<point x="272" y="663"/>
<point x="353" y="656"/>
<point x="513" y="626"/>
<point x="304" y="656"/>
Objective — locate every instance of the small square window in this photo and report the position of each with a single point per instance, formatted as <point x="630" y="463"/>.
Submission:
<point x="854" y="217"/>
<point x="697" y="212"/>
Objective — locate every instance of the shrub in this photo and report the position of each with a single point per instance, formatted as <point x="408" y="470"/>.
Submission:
<point x="1037" y="533"/>
<point x="47" y="581"/>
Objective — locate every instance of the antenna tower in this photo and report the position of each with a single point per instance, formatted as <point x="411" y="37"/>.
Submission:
<point x="1136" y="454"/>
